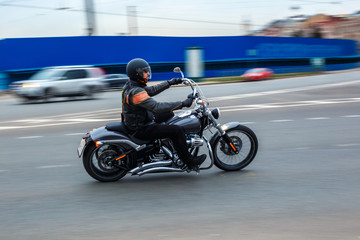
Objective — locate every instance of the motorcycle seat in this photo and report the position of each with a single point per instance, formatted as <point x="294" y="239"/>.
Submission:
<point x="120" y="127"/>
<point x="117" y="127"/>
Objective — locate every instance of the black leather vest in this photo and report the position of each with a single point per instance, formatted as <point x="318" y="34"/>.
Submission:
<point x="133" y="116"/>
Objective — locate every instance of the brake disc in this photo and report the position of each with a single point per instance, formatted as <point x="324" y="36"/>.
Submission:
<point x="227" y="150"/>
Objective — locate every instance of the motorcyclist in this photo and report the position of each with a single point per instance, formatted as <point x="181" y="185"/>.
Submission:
<point x="139" y="108"/>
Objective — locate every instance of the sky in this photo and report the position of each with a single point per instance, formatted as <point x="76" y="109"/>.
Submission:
<point x="53" y="18"/>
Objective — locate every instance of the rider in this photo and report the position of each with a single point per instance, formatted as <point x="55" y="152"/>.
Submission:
<point x="139" y="108"/>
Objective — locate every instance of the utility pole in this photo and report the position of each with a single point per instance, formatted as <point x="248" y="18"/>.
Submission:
<point x="90" y="17"/>
<point x="132" y="20"/>
<point x="245" y="25"/>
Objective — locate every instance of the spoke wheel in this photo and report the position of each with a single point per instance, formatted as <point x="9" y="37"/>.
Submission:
<point x="99" y="165"/>
<point x="246" y="144"/>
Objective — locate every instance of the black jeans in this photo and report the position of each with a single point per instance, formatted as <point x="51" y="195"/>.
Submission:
<point x="174" y="132"/>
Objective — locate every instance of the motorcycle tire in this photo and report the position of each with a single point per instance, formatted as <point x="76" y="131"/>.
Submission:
<point x="244" y="140"/>
<point x="95" y="166"/>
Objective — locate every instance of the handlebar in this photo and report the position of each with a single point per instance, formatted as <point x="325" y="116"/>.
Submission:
<point x="197" y="93"/>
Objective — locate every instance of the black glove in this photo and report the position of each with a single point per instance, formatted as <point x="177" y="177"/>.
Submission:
<point x="187" y="102"/>
<point x="175" y="81"/>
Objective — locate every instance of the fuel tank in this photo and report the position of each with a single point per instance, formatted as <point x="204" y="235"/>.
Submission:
<point x="187" y="120"/>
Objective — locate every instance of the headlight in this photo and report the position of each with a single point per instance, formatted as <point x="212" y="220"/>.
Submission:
<point x="30" y="85"/>
<point x="216" y="113"/>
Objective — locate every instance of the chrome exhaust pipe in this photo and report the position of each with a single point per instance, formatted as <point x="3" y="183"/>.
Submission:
<point x="150" y="166"/>
<point x="159" y="170"/>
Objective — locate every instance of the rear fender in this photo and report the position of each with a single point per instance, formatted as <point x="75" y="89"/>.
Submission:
<point x="101" y="136"/>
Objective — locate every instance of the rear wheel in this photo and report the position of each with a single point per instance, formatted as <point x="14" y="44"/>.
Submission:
<point x="244" y="140"/>
<point x="99" y="165"/>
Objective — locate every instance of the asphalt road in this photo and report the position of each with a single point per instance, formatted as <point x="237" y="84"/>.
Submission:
<point x="303" y="184"/>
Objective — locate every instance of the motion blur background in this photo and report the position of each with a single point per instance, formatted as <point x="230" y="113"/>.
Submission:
<point x="302" y="183"/>
<point x="232" y="36"/>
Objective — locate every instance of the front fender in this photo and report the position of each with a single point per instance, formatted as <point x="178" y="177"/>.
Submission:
<point x="225" y="127"/>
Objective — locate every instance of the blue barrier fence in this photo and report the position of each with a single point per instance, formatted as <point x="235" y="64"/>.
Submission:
<point x="223" y="56"/>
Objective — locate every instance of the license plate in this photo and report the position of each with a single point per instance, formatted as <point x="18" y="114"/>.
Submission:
<point x="81" y="147"/>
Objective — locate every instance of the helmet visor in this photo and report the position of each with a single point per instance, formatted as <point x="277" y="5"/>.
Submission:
<point x="147" y="70"/>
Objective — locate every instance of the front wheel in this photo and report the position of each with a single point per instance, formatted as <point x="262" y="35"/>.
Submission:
<point x="97" y="163"/>
<point x="244" y="140"/>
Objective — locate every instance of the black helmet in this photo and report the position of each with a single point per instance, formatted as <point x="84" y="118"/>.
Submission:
<point x="135" y="69"/>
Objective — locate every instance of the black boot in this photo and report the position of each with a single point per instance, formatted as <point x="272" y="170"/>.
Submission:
<point x="197" y="161"/>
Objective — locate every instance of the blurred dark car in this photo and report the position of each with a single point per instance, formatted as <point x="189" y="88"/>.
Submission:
<point x="115" y="81"/>
<point x="257" y="74"/>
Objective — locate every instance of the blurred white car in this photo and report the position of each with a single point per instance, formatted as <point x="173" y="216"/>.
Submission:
<point x="61" y="81"/>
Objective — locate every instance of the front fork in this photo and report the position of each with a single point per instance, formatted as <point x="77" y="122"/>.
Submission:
<point x="224" y="135"/>
<point x="229" y="142"/>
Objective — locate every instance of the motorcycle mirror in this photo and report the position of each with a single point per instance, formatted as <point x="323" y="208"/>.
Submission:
<point x="177" y="69"/>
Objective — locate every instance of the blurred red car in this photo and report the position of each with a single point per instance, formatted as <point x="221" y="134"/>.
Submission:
<point x="257" y="74"/>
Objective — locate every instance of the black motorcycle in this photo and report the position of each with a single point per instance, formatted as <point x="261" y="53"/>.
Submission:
<point x="110" y="152"/>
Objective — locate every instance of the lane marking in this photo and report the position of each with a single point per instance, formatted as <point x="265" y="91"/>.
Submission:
<point x="247" y="123"/>
<point x="348" y="145"/>
<point x="69" y="115"/>
<point x="289" y="90"/>
<point x="70" y="119"/>
<point x="288" y="104"/>
<point x="318" y="118"/>
<point x="351" y="116"/>
<point x="57" y="124"/>
<point x="29" y="137"/>
<point x="74" y="134"/>
<point x="303" y="148"/>
<point x="281" y="120"/>
<point x="54" y="166"/>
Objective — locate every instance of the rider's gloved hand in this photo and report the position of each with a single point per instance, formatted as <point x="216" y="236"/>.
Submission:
<point x="175" y="81"/>
<point x="187" y="102"/>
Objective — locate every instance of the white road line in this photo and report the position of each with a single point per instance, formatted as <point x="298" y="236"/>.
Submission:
<point x="3" y="170"/>
<point x="348" y="145"/>
<point x="281" y="120"/>
<point x="289" y="90"/>
<point x="247" y="123"/>
<point x="74" y="134"/>
<point x="57" y="124"/>
<point x="54" y="166"/>
<point x="29" y="137"/>
<point x="303" y="148"/>
<point x="318" y="118"/>
<point x="70" y="119"/>
<point x="68" y="115"/>
<point x="288" y="104"/>
<point x="351" y="116"/>
<point x="40" y="120"/>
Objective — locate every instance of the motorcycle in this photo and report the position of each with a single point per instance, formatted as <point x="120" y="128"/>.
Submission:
<point x="110" y="152"/>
